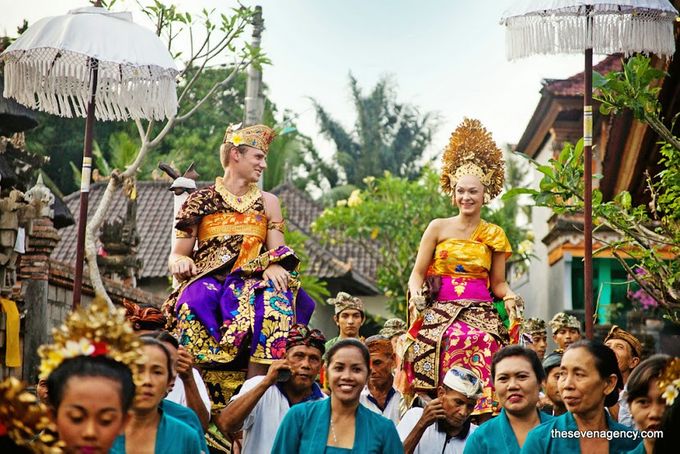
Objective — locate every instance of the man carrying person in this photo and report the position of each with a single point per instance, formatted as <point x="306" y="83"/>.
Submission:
<point x="628" y="351"/>
<point x="264" y="400"/>
<point x="379" y="395"/>
<point x="444" y="425"/>
<point x="535" y="336"/>
<point x="566" y="329"/>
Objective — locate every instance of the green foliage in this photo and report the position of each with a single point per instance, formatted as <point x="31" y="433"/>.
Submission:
<point x="388" y="218"/>
<point x="387" y="136"/>
<point x="647" y="234"/>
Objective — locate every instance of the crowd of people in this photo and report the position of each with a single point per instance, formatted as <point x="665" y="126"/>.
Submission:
<point x="230" y="363"/>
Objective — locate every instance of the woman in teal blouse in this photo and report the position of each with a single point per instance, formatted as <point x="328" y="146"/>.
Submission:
<point x="339" y="424"/>
<point x="151" y="429"/>
<point x="589" y="381"/>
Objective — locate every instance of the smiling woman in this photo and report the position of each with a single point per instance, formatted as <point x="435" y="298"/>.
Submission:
<point x="339" y="424"/>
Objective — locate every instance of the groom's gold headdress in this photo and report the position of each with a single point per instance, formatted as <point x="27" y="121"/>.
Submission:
<point x="472" y="151"/>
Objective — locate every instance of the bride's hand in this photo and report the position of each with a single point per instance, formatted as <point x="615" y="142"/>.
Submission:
<point x="514" y="305"/>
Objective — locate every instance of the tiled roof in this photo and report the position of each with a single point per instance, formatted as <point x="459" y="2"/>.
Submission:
<point x="573" y="86"/>
<point x="154" y="226"/>
<point x="326" y="261"/>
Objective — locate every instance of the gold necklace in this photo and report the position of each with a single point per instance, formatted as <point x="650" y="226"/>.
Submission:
<point x="239" y="203"/>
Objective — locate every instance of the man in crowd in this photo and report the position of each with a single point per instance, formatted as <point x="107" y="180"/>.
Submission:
<point x="379" y="395"/>
<point x="444" y="425"/>
<point x="552" y="402"/>
<point x="628" y="351"/>
<point x="566" y="329"/>
<point x="264" y="400"/>
<point x="349" y="316"/>
<point x="535" y="335"/>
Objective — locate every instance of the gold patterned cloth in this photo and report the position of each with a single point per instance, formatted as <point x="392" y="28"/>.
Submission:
<point x="461" y="326"/>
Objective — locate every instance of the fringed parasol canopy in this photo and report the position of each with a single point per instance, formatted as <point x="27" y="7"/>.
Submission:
<point x="48" y="67"/>
<point x="617" y="26"/>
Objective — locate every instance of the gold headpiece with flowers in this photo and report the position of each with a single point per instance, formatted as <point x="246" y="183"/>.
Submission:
<point x="472" y="151"/>
<point x="25" y="420"/>
<point x="258" y="136"/>
<point x="669" y="381"/>
<point x="92" y="331"/>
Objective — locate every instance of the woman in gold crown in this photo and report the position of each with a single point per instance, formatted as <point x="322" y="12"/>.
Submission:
<point x="239" y="293"/>
<point x="460" y="266"/>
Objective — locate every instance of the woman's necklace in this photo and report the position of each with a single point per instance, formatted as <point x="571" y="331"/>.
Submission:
<point x="335" y="438"/>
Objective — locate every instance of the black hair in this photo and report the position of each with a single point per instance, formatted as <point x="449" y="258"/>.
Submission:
<point x="518" y="350"/>
<point x="151" y="341"/>
<point x="349" y="343"/>
<point x="605" y="363"/>
<point x="164" y="336"/>
<point x="90" y="366"/>
<point x="645" y="372"/>
<point x="669" y="425"/>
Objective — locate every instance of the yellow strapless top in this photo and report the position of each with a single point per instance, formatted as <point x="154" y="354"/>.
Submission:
<point x="472" y="257"/>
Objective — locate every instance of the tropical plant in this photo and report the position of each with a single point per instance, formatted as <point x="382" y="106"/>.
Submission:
<point x="387" y="136"/>
<point x="647" y="234"/>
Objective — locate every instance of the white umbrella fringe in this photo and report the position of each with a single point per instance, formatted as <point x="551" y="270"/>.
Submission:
<point x="58" y="82"/>
<point x="614" y="30"/>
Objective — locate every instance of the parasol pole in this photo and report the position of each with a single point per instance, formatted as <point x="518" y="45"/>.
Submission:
<point x="588" y="176"/>
<point x="85" y="185"/>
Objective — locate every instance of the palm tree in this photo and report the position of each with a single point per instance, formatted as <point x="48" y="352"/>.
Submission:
<point x="387" y="135"/>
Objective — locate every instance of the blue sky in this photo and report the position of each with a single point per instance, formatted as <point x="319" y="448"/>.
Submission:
<point x="444" y="56"/>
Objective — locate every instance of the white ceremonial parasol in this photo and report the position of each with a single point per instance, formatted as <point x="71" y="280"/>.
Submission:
<point x="91" y="63"/>
<point x="600" y="26"/>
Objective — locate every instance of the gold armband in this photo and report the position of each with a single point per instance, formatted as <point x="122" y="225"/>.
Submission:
<point x="276" y="225"/>
<point x="179" y="234"/>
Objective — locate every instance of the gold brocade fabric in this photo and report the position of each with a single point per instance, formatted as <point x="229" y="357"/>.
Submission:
<point x="215" y="254"/>
<point x="470" y="258"/>
<point x="222" y="385"/>
<point x="251" y="226"/>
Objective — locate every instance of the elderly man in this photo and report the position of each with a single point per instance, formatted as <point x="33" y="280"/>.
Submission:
<point x="444" y="425"/>
<point x="349" y="316"/>
<point x="628" y="351"/>
<point x="263" y="401"/>
<point x="535" y="336"/>
<point x="566" y="329"/>
<point x="379" y="395"/>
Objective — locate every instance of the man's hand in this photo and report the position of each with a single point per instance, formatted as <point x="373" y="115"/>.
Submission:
<point x="182" y="267"/>
<point x="185" y="364"/>
<point x="278" y="275"/>
<point x="273" y="372"/>
<point x="432" y="412"/>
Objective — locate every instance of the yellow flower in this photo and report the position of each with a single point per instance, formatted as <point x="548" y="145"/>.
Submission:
<point x="341" y="203"/>
<point x="670" y="393"/>
<point x="236" y="139"/>
<point x="368" y="180"/>
<point x="354" y="198"/>
<point x="82" y="347"/>
<point x="374" y="233"/>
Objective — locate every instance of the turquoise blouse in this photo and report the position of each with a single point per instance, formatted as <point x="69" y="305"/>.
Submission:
<point x="172" y="437"/>
<point x="187" y="416"/>
<point x="305" y="427"/>
<point x="540" y="439"/>
<point x="496" y="436"/>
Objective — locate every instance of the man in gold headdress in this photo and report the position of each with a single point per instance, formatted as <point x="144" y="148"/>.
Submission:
<point x="459" y="269"/>
<point x="628" y="351"/>
<point x="566" y="329"/>
<point x="534" y="334"/>
<point x="239" y="292"/>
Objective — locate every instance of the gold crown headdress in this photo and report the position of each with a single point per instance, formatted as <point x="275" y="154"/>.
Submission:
<point x="669" y="381"/>
<point x="258" y="136"/>
<point x="472" y="151"/>
<point x="25" y="420"/>
<point x="92" y="331"/>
